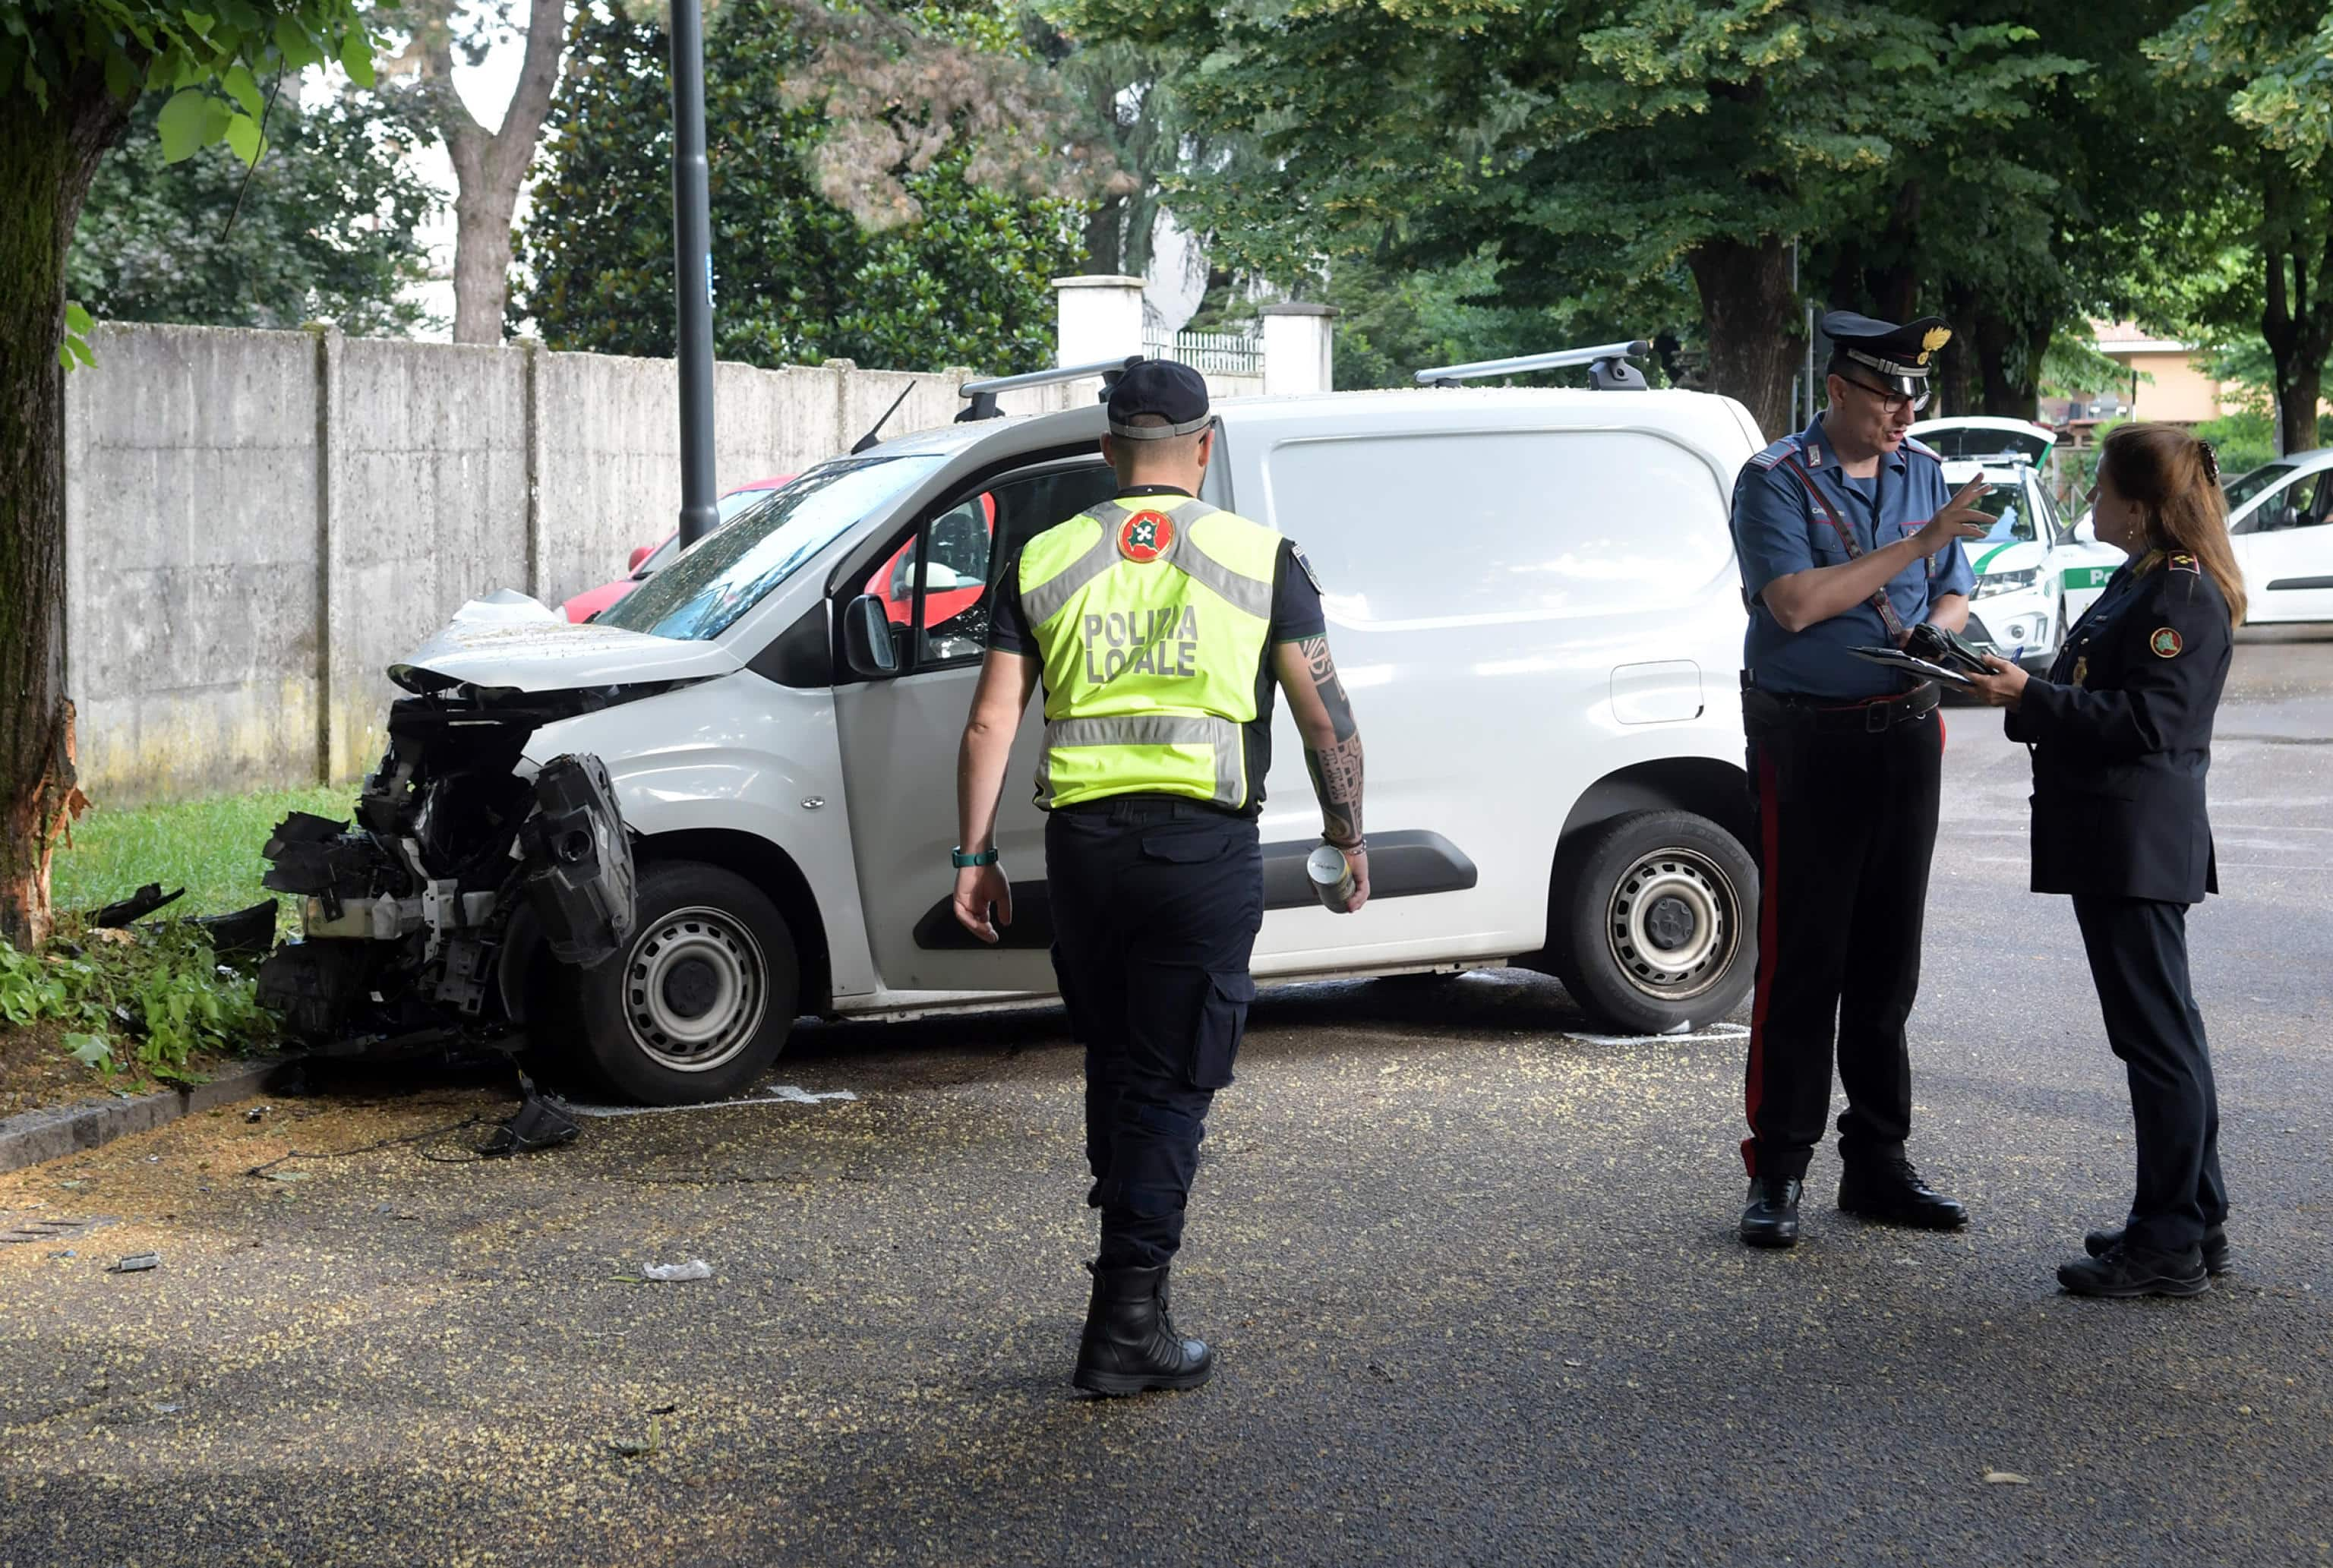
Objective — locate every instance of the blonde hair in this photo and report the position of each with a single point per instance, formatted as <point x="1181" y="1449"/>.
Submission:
<point x="2174" y="479"/>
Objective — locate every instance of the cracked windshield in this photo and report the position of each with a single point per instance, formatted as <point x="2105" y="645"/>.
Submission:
<point x="698" y="597"/>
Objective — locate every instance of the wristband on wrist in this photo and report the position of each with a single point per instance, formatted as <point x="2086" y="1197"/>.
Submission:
<point x="1357" y="846"/>
<point x="959" y="859"/>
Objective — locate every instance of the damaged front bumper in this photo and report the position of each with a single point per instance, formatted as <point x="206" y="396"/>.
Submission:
<point x="424" y="919"/>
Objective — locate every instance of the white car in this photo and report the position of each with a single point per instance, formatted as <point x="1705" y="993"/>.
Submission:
<point x="1531" y="594"/>
<point x="2281" y="524"/>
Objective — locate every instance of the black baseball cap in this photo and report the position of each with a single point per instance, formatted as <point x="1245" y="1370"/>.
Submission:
<point x="1174" y="393"/>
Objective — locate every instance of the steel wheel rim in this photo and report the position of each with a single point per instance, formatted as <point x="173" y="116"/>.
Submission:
<point x="1673" y="924"/>
<point x="662" y="1026"/>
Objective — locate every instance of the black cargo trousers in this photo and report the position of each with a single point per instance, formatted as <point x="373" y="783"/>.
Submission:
<point x="1155" y="904"/>
<point x="1847" y="824"/>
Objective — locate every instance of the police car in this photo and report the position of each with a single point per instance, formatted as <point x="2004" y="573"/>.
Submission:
<point x="658" y="840"/>
<point x="2035" y="572"/>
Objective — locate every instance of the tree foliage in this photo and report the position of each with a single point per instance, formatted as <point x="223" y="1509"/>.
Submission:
<point x="958" y="275"/>
<point x="324" y="228"/>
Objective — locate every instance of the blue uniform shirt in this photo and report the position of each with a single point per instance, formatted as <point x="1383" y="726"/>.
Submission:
<point x="1777" y="530"/>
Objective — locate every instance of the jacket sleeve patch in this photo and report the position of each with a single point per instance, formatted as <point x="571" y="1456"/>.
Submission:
<point x="2164" y="643"/>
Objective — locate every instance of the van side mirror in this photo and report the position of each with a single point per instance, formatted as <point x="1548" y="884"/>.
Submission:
<point x="640" y="552"/>
<point x="867" y="647"/>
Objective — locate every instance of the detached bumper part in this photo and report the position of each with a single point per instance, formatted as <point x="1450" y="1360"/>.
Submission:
<point x="580" y="876"/>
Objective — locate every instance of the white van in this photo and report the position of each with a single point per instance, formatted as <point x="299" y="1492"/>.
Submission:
<point x="1532" y="598"/>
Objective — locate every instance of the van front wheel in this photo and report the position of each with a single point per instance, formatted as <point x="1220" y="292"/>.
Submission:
<point x="699" y="1002"/>
<point x="1657" y="922"/>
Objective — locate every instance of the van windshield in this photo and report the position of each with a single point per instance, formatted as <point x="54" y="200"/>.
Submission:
<point x="726" y="573"/>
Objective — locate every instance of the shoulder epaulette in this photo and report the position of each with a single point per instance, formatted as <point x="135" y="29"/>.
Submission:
<point x="2186" y="563"/>
<point x="1785" y="447"/>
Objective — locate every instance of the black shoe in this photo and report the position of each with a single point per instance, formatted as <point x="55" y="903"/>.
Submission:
<point x="1130" y="1343"/>
<point x="2217" y="1260"/>
<point x="1892" y="1193"/>
<point x="1771" y="1219"/>
<point x="2124" y="1271"/>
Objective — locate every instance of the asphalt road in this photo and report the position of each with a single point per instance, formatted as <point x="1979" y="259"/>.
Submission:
<point x="1471" y="1275"/>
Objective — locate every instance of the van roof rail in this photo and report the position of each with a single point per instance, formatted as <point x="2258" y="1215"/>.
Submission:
<point x="1609" y="367"/>
<point x="981" y="396"/>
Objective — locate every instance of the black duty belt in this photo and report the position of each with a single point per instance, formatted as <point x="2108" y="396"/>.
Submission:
<point x="1768" y="710"/>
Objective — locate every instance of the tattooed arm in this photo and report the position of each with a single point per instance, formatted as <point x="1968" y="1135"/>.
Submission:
<point x="1332" y="747"/>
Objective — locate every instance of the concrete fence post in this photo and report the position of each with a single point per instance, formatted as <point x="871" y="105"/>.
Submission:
<point x="1297" y="352"/>
<point x="330" y="346"/>
<point x="843" y="437"/>
<point x="537" y="547"/>
<point x="1098" y="317"/>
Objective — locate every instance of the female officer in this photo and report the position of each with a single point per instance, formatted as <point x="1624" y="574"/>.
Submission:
<point x="2121" y="735"/>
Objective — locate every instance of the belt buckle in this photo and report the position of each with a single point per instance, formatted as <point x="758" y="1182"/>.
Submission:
<point x="1878" y="717"/>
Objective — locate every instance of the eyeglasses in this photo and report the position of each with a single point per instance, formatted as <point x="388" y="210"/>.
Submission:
<point x="1889" y="400"/>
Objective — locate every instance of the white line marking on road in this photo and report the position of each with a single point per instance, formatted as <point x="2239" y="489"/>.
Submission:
<point x="779" y="1094"/>
<point x="1715" y="1032"/>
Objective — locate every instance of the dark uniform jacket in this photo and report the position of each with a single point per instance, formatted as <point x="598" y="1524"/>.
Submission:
<point x="2121" y="733"/>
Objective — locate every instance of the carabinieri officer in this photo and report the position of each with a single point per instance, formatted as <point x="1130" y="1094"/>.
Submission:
<point x="1846" y="539"/>
<point x="1159" y="625"/>
<point x="2121" y="734"/>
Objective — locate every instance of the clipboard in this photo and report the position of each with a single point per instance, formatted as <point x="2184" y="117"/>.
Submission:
<point x="1911" y="664"/>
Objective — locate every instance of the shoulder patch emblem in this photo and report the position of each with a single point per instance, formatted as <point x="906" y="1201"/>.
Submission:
<point x="2186" y="563"/>
<point x="1305" y="562"/>
<point x="1145" y="536"/>
<point x="2164" y="643"/>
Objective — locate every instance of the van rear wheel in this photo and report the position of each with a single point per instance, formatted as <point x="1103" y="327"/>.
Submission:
<point x="700" y="1000"/>
<point x="1656" y="918"/>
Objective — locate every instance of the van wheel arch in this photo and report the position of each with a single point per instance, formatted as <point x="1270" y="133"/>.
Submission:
<point x="774" y="872"/>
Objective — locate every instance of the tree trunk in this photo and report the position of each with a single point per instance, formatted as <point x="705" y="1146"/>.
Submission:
<point x="482" y="254"/>
<point x="489" y="167"/>
<point x="1750" y="319"/>
<point x="1956" y="364"/>
<point x="48" y="158"/>
<point x="2009" y="364"/>
<point x="1104" y="251"/>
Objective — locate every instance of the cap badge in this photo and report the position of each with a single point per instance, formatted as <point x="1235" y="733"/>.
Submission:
<point x="1145" y="536"/>
<point x="2164" y="643"/>
<point x="1936" y="339"/>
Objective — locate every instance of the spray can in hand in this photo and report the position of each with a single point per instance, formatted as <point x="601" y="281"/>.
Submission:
<point x="1331" y="877"/>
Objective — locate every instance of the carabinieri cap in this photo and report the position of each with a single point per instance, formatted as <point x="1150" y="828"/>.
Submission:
<point x="1172" y="392"/>
<point x="1900" y="354"/>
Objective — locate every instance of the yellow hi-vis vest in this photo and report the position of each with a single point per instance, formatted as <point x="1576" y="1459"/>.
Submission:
<point x="1151" y="614"/>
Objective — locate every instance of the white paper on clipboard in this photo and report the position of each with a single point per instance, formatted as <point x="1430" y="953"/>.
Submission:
<point x="1897" y="658"/>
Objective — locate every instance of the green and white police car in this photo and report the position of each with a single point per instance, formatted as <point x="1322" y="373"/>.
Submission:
<point x="2036" y="572"/>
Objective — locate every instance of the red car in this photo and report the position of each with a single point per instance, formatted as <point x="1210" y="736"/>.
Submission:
<point x="957" y="574"/>
<point x="648" y="559"/>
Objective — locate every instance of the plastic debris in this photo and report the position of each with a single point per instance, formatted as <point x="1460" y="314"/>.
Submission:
<point x="669" y="1273"/>
<point x="2005" y="1478"/>
<point x="775" y="1094"/>
<point x="255" y="1113"/>
<point x="136" y="1263"/>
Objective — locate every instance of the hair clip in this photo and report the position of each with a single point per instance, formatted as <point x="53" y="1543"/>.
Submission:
<point x="2210" y="462"/>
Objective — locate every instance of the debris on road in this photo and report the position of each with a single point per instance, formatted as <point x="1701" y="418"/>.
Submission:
<point x="640" y="1448"/>
<point x="2005" y="1478"/>
<point x="136" y="1263"/>
<point x="670" y="1273"/>
<point x="541" y="1122"/>
<point x="255" y="1113"/>
<point x="136" y="907"/>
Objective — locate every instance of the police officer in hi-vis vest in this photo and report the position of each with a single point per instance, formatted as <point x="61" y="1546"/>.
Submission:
<point x="1847" y="539"/>
<point x="1159" y="625"/>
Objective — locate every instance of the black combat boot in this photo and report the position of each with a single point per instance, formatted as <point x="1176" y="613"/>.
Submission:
<point x="1891" y="1193"/>
<point x="1130" y="1344"/>
<point x="2217" y="1259"/>
<point x="2126" y="1271"/>
<point x="1771" y="1219"/>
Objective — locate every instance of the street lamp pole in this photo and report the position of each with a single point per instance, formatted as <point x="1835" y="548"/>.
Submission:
<point x="692" y="243"/>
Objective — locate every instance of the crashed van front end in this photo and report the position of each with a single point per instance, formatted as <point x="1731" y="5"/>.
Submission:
<point x="423" y="916"/>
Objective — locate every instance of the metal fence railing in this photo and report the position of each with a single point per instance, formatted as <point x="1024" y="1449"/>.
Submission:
<point x="1212" y="353"/>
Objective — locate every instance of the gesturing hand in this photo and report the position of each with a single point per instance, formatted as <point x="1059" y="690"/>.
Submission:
<point x="1961" y="519"/>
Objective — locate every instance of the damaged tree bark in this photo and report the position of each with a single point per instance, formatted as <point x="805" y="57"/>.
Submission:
<point x="48" y="158"/>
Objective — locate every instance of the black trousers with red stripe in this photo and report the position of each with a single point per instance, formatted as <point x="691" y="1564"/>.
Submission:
<point x="1846" y="822"/>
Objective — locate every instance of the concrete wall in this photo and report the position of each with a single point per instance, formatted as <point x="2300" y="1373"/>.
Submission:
<point x="258" y="523"/>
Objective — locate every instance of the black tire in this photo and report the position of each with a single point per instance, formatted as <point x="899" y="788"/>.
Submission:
<point x="701" y="1000"/>
<point x="1655" y="922"/>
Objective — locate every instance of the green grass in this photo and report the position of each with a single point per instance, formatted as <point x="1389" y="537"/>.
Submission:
<point x="210" y="848"/>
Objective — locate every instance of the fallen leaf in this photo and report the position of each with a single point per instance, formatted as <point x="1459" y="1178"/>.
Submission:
<point x="2005" y="1478"/>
